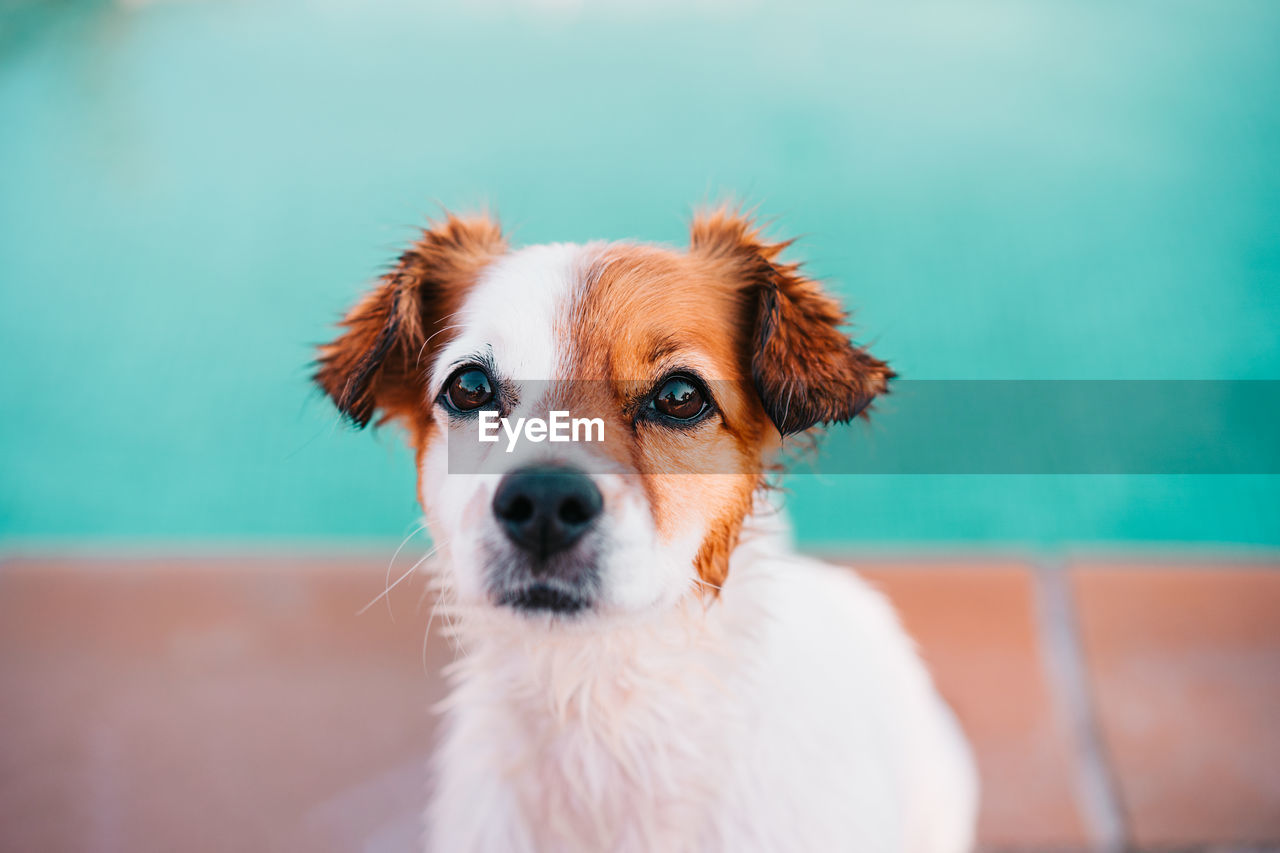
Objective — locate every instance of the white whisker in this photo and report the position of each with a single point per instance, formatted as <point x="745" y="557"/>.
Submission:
<point x="392" y="586"/>
<point x="423" y="348"/>
<point x="427" y="634"/>
<point x="387" y="580"/>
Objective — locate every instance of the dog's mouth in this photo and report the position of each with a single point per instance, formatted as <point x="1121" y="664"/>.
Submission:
<point x="565" y="585"/>
<point x="544" y="597"/>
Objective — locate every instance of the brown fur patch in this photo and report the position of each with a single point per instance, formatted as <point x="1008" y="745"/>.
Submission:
<point x="644" y="313"/>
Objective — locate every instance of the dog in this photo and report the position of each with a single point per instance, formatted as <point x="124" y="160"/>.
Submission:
<point x="644" y="661"/>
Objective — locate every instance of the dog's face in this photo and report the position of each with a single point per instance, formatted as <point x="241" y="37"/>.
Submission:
<point x="691" y="365"/>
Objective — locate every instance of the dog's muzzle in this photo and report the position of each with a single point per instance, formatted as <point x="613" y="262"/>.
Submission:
<point x="545" y="512"/>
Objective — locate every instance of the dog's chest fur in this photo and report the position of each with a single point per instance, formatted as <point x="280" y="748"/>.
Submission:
<point x="614" y="743"/>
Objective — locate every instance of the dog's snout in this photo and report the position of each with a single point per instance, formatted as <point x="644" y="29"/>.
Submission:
<point x="546" y="510"/>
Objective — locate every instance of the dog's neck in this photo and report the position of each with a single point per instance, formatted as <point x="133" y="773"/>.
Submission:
<point x="606" y="659"/>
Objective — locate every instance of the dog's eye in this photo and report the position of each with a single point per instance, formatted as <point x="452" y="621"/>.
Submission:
<point x="469" y="388"/>
<point x="680" y="398"/>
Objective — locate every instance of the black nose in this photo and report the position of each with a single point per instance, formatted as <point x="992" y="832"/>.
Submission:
<point x="545" y="510"/>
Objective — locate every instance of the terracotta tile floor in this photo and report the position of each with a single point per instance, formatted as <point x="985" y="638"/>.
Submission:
<point x="240" y="704"/>
<point x="1185" y="673"/>
<point x="976" y="626"/>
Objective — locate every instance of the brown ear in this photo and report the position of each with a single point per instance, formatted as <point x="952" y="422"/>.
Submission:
<point x="379" y="362"/>
<point x="805" y="368"/>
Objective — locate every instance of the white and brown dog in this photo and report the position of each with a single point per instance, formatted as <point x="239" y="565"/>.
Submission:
<point x="644" y="662"/>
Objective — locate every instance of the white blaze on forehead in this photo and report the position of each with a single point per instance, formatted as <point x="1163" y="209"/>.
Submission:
<point x="517" y="311"/>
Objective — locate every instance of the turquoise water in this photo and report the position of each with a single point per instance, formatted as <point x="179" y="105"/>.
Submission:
<point x="191" y="192"/>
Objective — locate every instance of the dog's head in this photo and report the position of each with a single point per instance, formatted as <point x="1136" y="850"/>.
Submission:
<point x="690" y="364"/>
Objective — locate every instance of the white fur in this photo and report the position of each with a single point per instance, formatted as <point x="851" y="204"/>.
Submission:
<point x="791" y="713"/>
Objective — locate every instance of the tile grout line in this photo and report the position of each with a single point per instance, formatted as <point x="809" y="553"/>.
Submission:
<point x="1063" y="657"/>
